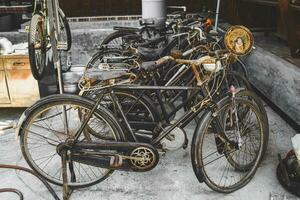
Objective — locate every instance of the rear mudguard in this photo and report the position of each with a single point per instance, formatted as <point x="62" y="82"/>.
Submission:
<point x="68" y="96"/>
<point x="110" y="154"/>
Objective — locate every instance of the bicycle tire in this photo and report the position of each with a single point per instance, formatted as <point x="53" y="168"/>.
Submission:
<point x="252" y="96"/>
<point x="197" y="145"/>
<point x="37" y="27"/>
<point x="34" y="111"/>
<point x="248" y="93"/>
<point x="144" y="102"/>
<point x="66" y="26"/>
<point x="116" y="35"/>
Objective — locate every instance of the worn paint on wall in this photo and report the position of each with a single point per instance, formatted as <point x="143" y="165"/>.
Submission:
<point x="277" y="79"/>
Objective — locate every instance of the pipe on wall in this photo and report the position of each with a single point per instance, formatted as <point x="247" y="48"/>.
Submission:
<point x="155" y="10"/>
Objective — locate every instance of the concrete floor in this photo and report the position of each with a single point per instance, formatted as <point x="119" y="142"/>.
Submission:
<point x="173" y="178"/>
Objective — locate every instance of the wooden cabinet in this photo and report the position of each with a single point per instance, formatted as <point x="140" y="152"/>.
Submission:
<point x="18" y="88"/>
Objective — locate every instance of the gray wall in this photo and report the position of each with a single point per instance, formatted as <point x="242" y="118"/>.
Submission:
<point x="277" y="79"/>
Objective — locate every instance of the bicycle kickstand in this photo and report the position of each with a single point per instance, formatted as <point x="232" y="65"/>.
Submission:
<point x="66" y="190"/>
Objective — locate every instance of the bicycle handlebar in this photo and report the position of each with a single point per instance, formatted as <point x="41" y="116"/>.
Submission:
<point x="166" y="59"/>
<point x="163" y="60"/>
<point x="193" y="28"/>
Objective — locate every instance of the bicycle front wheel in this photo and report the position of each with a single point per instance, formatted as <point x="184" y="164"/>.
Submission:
<point x="227" y="161"/>
<point x="116" y="39"/>
<point x="54" y="120"/>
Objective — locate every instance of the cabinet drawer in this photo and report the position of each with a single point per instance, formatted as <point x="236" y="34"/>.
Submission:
<point x="20" y="63"/>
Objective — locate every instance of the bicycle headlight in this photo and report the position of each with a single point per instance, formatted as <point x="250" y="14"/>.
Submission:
<point x="239" y="40"/>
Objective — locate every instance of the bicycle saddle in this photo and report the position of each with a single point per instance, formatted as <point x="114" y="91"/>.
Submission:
<point x="146" y="22"/>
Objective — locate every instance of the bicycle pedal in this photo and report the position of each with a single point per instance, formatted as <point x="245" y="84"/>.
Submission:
<point x="62" y="45"/>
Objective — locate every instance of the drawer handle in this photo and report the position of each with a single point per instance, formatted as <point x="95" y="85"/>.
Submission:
<point x="19" y="64"/>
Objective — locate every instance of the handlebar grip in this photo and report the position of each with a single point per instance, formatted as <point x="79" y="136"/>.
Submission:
<point x="188" y="52"/>
<point x="164" y="60"/>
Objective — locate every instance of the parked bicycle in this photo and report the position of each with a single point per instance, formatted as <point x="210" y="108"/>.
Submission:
<point x="45" y="34"/>
<point x="186" y="38"/>
<point x="148" y="106"/>
<point x="84" y="146"/>
<point x="149" y="35"/>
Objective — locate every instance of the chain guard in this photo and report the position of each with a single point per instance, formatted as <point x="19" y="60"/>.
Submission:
<point x="127" y="156"/>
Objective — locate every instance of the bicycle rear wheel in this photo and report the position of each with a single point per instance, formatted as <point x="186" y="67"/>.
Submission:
<point x="227" y="161"/>
<point x="37" y="46"/>
<point x="45" y="127"/>
<point x="116" y="39"/>
<point x="140" y="111"/>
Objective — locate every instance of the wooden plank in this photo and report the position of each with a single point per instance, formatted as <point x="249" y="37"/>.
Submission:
<point x="263" y="2"/>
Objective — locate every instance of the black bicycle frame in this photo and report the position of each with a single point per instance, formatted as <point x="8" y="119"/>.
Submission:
<point x="181" y="123"/>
